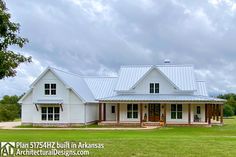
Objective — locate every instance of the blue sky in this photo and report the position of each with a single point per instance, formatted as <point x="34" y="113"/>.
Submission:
<point x="96" y="37"/>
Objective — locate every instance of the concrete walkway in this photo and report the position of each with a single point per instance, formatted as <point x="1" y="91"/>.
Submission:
<point x="9" y="125"/>
<point x="12" y="126"/>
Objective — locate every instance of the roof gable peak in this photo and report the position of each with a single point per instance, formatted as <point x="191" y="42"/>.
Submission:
<point x="148" y="72"/>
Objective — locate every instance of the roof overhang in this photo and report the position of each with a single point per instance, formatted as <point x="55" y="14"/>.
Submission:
<point x="162" y="102"/>
<point x="162" y="98"/>
<point x="49" y="102"/>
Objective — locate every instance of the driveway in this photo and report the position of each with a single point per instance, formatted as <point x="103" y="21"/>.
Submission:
<point x="9" y="125"/>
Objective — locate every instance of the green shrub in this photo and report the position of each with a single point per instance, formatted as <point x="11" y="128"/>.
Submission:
<point x="228" y="110"/>
<point x="8" y="112"/>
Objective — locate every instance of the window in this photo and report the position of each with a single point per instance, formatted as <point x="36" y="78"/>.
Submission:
<point x="50" y="113"/>
<point x="47" y="89"/>
<point x="113" y="109"/>
<point x="50" y="89"/>
<point x="56" y="113"/>
<point x="154" y="87"/>
<point x="173" y="111"/>
<point x="44" y="113"/>
<point x="198" y="109"/>
<point x="53" y="89"/>
<point x="176" y="111"/>
<point x="151" y="87"/>
<point x="132" y="110"/>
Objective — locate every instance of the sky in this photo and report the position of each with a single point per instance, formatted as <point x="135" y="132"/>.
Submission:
<point x="96" y="37"/>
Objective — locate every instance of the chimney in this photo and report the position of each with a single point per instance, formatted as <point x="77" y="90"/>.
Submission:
<point x="167" y="61"/>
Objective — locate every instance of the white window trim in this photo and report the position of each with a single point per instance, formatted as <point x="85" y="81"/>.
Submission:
<point x="132" y="111"/>
<point x="50" y="89"/>
<point x="154" y="87"/>
<point x="53" y="119"/>
<point x="176" y="111"/>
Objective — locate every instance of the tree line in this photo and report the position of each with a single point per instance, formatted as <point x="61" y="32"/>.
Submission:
<point x="10" y="109"/>
<point x="230" y="105"/>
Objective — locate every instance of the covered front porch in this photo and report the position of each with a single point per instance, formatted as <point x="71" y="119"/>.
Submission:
<point x="160" y="113"/>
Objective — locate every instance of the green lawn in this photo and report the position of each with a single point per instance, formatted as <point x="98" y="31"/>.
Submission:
<point x="170" y="141"/>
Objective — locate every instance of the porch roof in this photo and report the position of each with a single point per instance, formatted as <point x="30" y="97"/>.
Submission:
<point x="49" y="101"/>
<point x="160" y="98"/>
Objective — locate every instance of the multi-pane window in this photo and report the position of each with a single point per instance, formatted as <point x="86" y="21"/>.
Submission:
<point x="56" y="113"/>
<point x="154" y="87"/>
<point x="44" y="113"/>
<point x="53" y="89"/>
<point x="113" y="109"/>
<point x="132" y="110"/>
<point x="47" y="89"/>
<point x="151" y="87"/>
<point x="50" y="113"/>
<point x="198" y="110"/>
<point x="50" y="89"/>
<point x="176" y="111"/>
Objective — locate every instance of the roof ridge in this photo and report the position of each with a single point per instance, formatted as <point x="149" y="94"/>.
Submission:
<point x="82" y="76"/>
<point x="67" y="72"/>
<point x="158" y="65"/>
<point x="99" y="76"/>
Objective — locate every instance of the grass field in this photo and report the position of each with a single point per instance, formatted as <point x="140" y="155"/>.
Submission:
<point x="217" y="141"/>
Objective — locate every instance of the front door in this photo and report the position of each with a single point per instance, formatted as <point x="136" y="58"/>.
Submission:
<point x="154" y="112"/>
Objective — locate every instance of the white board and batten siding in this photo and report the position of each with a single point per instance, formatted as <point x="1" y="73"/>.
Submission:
<point x="72" y="108"/>
<point x="80" y="95"/>
<point x="165" y="87"/>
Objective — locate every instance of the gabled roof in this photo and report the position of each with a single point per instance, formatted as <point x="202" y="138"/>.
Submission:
<point x="129" y="75"/>
<point x="25" y="95"/>
<point x="70" y="80"/>
<point x="76" y="83"/>
<point x="91" y="89"/>
<point x="201" y="88"/>
<point x="101" y="86"/>
<point x="181" y="76"/>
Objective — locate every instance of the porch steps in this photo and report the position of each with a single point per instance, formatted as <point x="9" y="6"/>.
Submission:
<point x="151" y="123"/>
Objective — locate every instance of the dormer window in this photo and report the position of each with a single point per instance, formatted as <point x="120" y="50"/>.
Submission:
<point x="154" y="87"/>
<point x="50" y="89"/>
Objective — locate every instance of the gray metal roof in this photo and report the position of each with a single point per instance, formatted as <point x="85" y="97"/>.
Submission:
<point x="101" y="86"/>
<point x="76" y="83"/>
<point x="92" y="89"/>
<point x="201" y="88"/>
<point x="129" y="75"/>
<point x="182" y="76"/>
<point x="161" y="98"/>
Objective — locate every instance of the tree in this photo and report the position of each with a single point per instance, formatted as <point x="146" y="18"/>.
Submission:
<point x="9" y="108"/>
<point x="9" y="99"/>
<point x="231" y="101"/>
<point x="9" y="60"/>
<point x="230" y="97"/>
<point x="8" y="112"/>
<point x="228" y="111"/>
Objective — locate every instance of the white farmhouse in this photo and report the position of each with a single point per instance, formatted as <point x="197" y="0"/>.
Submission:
<point x="140" y="95"/>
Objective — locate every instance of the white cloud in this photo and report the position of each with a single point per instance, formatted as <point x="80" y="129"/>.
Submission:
<point x="97" y="36"/>
<point x="26" y="74"/>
